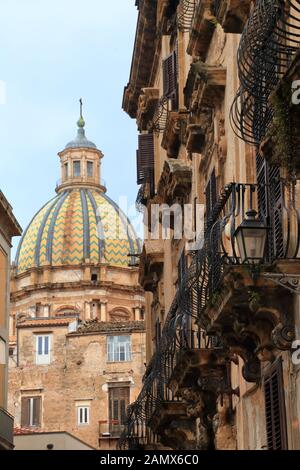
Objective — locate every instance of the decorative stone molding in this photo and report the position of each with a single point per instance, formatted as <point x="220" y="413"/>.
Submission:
<point x="175" y="182"/>
<point x="143" y="56"/>
<point x="151" y="264"/>
<point x="147" y="104"/>
<point x="205" y="86"/>
<point x="232" y="14"/>
<point x="202" y="30"/>
<point x="197" y="132"/>
<point x="174" y="133"/>
<point x="254" y="332"/>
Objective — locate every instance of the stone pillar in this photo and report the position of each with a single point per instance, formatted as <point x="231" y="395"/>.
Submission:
<point x="137" y="313"/>
<point x="46" y="312"/>
<point x="87" y="310"/>
<point x="103" y="311"/>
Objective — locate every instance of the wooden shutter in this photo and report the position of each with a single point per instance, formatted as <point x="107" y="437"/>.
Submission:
<point x="145" y="158"/>
<point x="25" y="412"/>
<point x="36" y="411"/>
<point x="275" y="407"/>
<point x="211" y="194"/>
<point x="182" y="266"/>
<point x="170" y="75"/>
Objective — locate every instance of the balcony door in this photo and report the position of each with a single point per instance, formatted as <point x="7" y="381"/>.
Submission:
<point x="118" y="403"/>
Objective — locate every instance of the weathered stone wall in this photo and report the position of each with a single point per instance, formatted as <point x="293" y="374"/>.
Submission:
<point x="79" y="372"/>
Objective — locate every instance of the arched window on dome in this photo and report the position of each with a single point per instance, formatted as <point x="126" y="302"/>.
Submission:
<point x="67" y="311"/>
<point x="119" y="314"/>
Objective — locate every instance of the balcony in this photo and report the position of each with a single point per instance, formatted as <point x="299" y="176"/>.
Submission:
<point x="202" y="29"/>
<point x="281" y="145"/>
<point x="174" y="133"/>
<point x="151" y="264"/>
<point x="232" y="14"/>
<point x="175" y="182"/>
<point x="269" y="44"/>
<point x="205" y="86"/>
<point x="146" y="107"/>
<point x="6" y="430"/>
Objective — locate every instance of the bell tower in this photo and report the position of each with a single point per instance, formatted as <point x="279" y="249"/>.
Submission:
<point x="80" y="161"/>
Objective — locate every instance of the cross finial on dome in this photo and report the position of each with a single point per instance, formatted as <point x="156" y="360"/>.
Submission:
<point x="81" y="122"/>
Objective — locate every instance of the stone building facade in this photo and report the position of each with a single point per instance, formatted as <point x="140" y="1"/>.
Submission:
<point x="210" y="87"/>
<point x="76" y="326"/>
<point x="9" y="228"/>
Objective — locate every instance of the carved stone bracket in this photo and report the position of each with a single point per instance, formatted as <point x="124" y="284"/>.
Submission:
<point x="205" y="86"/>
<point x="290" y="282"/>
<point x="147" y="103"/>
<point x="174" y="133"/>
<point x="202" y="30"/>
<point x="253" y="317"/>
<point x="233" y="14"/>
<point x="175" y="182"/>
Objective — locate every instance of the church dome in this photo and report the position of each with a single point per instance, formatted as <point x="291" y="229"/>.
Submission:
<point x="78" y="225"/>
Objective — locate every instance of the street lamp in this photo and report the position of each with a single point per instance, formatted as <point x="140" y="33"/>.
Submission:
<point x="251" y="237"/>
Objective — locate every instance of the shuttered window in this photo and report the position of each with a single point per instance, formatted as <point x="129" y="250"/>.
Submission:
<point x="31" y="412"/>
<point x="211" y="194"/>
<point x="145" y="158"/>
<point x="170" y="78"/>
<point x="275" y="407"/>
<point x="182" y="266"/>
<point x="118" y="403"/>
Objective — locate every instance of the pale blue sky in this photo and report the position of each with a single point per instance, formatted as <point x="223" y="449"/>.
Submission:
<point x="51" y="54"/>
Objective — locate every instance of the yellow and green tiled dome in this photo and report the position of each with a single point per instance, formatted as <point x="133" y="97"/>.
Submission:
<point x="77" y="225"/>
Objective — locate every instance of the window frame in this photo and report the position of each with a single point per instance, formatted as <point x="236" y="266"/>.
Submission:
<point x="75" y="162"/>
<point x="29" y="401"/>
<point x="85" y="409"/>
<point x="90" y="164"/>
<point x="42" y="358"/>
<point x="117" y="350"/>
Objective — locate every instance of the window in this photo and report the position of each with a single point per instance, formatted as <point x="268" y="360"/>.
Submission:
<point x="118" y="403"/>
<point x="66" y="170"/>
<point x="83" y="415"/>
<point x="170" y="78"/>
<point x="43" y="349"/>
<point x="76" y="169"/>
<point x="145" y="161"/>
<point x="90" y="169"/>
<point x="30" y="412"/>
<point x="118" y="348"/>
<point x="275" y="407"/>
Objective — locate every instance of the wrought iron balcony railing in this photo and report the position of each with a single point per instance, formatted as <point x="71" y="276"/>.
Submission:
<point x="278" y="208"/>
<point x="185" y="14"/>
<point x="268" y="44"/>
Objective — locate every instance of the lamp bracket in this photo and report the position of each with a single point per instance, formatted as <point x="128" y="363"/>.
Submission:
<point x="290" y="282"/>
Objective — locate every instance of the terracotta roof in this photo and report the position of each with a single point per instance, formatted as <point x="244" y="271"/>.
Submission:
<point x="94" y="326"/>
<point x="45" y="322"/>
<point x="23" y="431"/>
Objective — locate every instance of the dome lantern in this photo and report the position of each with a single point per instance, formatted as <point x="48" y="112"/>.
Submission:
<point x="80" y="161"/>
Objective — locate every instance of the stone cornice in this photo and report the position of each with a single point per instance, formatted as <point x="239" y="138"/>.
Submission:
<point x="9" y="224"/>
<point x="65" y="286"/>
<point x="143" y="56"/>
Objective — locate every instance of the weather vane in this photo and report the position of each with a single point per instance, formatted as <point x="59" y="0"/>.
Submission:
<point x="80" y="101"/>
